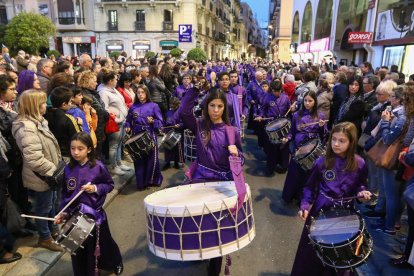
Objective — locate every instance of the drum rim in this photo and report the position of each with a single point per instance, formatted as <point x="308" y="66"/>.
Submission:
<point x="136" y="136"/>
<point x="340" y="244"/>
<point x="198" y="208"/>
<point x="370" y="247"/>
<point x="287" y="121"/>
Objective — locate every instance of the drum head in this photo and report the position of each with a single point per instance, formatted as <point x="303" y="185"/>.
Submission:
<point x="194" y="199"/>
<point x="306" y="148"/>
<point x="135" y="137"/>
<point x="335" y="226"/>
<point x="276" y="124"/>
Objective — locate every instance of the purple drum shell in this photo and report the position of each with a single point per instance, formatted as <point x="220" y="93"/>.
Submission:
<point x="190" y="231"/>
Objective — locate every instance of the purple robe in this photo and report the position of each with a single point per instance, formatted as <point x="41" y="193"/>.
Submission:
<point x="212" y="150"/>
<point x="340" y="184"/>
<point x="83" y="263"/>
<point x="243" y="101"/>
<point x="296" y="176"/>
<point x="274" y="107"/>
<point x="176" y="153"/>
<point x="180" y="91"/>
<point x="147" y="169"/>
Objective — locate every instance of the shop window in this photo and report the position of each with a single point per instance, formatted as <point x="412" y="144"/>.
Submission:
<point x="307" y="24"/>
<point x="323" y="19"/>
<point x="295" y="29"/>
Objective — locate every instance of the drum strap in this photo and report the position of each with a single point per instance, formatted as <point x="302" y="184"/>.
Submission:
<point x="237" y="171"/>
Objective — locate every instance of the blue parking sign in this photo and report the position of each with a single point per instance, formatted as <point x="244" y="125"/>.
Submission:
<point x="185" y="32"/>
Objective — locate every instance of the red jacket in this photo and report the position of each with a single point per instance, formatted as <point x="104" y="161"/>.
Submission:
<point x="127" y="98"/>
<point x="289" y="89"/>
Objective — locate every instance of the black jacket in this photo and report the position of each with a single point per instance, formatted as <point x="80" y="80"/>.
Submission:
<point x="63" y="126"/>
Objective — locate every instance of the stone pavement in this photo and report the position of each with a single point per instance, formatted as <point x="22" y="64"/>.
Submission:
<point x="37" y="261"/>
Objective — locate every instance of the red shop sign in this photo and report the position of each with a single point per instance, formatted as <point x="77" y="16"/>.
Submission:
<point x="359" y="37"/>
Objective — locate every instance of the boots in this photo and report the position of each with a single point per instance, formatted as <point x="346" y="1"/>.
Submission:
<point x="49" y="244"/>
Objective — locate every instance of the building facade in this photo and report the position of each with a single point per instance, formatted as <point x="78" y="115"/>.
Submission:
<point x="280" y="29"/>
<point x="256" y="42"/>
<point x="320" y="30"/>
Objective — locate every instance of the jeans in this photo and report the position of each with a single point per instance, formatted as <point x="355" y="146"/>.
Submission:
<point x="115" y="145"/>
<point x="390" y="187"/>
<point x="45" y="207"/>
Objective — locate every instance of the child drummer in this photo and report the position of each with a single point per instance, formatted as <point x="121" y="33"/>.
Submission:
<point x="339" y="174"/>
<point x="87" y="175"/>
<point x="174" y="122"/>
<point x="307" y="124"/>
<point x="274" y="105"/>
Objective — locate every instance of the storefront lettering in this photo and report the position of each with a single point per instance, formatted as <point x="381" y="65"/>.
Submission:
<point x="359" y="37"/>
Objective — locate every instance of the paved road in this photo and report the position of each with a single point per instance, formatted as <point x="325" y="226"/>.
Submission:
<point x="271" y="252"/>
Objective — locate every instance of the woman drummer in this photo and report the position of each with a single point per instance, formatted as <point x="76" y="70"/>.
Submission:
<point x="145" y="115"/>
<point x="213" y="148"/>
<point x="307" y="124"/>
<point x="275" y="105"/>
<point x="339" y="174"/>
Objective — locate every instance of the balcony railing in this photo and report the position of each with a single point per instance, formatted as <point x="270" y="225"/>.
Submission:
<point x="167" y="25"/>
<point x="139" y="25"/>
<point x="66" y="20"/>
<point x="112" y="26"/>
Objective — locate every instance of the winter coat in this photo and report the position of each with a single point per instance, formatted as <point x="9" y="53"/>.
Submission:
<point x="114" y="102"/>
<point x="40" y="151"/>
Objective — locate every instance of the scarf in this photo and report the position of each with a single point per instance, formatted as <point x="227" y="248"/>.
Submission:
<point x="4" y="147"/>
<point x="345" y="106"/>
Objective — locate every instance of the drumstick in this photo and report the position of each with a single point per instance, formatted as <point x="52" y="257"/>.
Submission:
<point x="168" y="126"/>
<point x="36" y="217"/>
<point x="290" y="108"/>
<point x="311" y="124"/>
<point x="70" y="202"/>
<point x="373" y="196"/>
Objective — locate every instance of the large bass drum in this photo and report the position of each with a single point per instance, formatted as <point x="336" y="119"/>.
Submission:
<point x="195" y="222"/>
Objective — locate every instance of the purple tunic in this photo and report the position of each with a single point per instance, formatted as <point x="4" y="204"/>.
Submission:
<point x="274" y="107"/>
<point x="296" y="176"/>
<point x="147" y="169"/>
<point x="180" y="91"/>
<point x="335" y="183"/>
<point x="176" y="153"/>
<point x="83" y="262"/>
<point x="212" y="152"/>
<point x="244" y="104"/>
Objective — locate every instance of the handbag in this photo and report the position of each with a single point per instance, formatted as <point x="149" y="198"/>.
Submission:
<point x="111" y="126"/>
<point x="385" y="156"/>
<point x="55" y="181"/>
<point x="11" y="217"/>
<point x="408" y="195"/>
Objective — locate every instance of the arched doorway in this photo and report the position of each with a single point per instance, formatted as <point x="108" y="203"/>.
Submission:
<point x="307" y="24"/>
<point x="323" y="23"/>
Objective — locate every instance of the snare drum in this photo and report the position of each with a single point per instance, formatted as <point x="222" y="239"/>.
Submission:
<point x="139" y="145"/>
<point x="190" y="147"/>
<point x="75" y="231"/>
<point x="308" y="153"/>
<point x="277" y="130"/>
<point x="194" y="222"/>
<point x="170" y="140"/>
<point x="340" y="238"/>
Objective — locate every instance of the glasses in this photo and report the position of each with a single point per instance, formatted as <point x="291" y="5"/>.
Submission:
<point x="13" y="89"/>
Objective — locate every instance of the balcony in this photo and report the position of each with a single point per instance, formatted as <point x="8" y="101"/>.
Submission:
<point x="70" y="23"/>
<point x="167" y="26"/>
<point x="139" y="25"/>
<point x="112" y="26"/>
